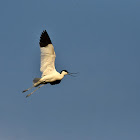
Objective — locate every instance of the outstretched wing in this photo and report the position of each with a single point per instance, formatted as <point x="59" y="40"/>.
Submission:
<point x="47" y="54"/>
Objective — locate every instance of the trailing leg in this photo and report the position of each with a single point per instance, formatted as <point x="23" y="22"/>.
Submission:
<point x="35" y="90"/>
<point x="35" y="85"/>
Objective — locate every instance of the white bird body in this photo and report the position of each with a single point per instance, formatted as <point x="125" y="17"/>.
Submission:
<point x="47" y="67"/>
<point x="55" y="76"/>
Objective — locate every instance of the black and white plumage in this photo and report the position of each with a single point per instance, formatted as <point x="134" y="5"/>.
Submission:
<point x="47" y="55"/>
<point x="47" y="67"/>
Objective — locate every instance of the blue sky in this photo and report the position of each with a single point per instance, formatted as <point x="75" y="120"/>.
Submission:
<point x="100" y="40"/>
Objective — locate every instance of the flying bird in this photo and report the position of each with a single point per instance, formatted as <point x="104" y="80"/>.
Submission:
<point x="47" y="67"/>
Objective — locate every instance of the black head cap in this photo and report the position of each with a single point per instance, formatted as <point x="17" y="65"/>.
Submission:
<point x="44" y="39"/>
<point x="65" y="71"/>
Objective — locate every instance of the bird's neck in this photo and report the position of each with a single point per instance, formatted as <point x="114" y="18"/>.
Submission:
<point x="62" y="76"/>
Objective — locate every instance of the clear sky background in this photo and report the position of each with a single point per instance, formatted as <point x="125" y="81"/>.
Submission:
<point x="100" y="39"/>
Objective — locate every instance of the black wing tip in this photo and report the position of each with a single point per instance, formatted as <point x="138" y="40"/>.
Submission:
<point x="44" y="39"/>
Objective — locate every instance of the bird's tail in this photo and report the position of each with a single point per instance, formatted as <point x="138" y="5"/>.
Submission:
<point x="36" y="80"/>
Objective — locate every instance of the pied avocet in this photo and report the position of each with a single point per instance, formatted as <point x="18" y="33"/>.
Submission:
<point x="49" y="73"/>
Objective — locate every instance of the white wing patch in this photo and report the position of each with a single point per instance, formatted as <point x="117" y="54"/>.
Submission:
<point x="47" y="60"/>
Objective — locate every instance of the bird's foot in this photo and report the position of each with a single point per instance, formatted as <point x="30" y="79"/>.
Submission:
<point x="24" y="90"/>
<point x="28" y="95"/>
